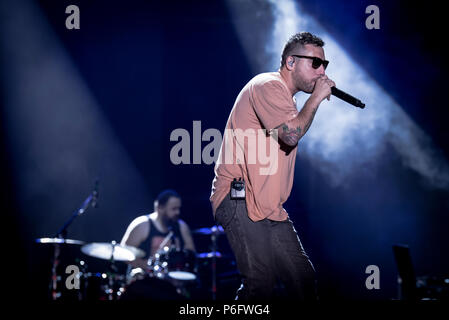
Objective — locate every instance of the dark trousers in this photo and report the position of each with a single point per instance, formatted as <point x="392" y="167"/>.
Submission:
<point x="266" y="252"/>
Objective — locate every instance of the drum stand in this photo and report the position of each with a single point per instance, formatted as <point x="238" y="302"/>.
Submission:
<point x="54" y="294"/>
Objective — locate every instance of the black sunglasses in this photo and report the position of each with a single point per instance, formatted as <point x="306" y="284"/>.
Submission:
<point x="316" y="62"/>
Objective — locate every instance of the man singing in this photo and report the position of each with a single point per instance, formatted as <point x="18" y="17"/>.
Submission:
<point x="261" y="235"/>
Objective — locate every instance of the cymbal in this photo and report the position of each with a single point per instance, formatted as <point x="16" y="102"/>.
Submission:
<point x="208" y="231"/>
<point x="206" y="255"/>
<point x="103" y="250"/>
<point x="139" y="253"/>
<point x="59" y="241"/>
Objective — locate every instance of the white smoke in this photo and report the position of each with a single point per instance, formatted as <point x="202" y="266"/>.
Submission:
<point x="343" y="138"/>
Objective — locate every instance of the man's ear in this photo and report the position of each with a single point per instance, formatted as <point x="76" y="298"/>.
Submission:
<point x="290" y="62"/>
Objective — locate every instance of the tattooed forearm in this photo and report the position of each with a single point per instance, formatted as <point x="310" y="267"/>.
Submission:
<point x="291" y="135"/>
<point x="307" y="126"/>
<point x="291" y="131"/>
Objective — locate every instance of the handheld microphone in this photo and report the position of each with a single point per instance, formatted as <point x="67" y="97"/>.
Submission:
<point x="347" y="97"/>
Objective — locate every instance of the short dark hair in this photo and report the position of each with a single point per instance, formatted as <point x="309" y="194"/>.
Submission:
<point x="301" y="38"/>
<point x="165" y="195"/>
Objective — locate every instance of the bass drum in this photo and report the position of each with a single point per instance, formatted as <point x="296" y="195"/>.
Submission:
<point x="150" y="288"/>
<point x="176" y="265"/>
<point x="101" y="286"/>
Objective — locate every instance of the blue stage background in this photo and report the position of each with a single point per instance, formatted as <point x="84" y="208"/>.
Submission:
<point x="149" y="67"/>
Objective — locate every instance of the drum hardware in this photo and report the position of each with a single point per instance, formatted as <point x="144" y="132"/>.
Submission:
<point x="208" y="255"/>
<point x="170" y="270"/>
<point x="173" y="264"/>
<point x="214" y="232"/>
<point x="102" y="286"/>
<point x="60" y="238"/>
<point x="217" y="230"/>
<point x="57" y="243"/>
<point x="214" y="265"/>
<point x="112" y="252"/>
<point x="112" y="266"/>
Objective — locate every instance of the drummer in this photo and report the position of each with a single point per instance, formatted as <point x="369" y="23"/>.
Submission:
<point x="163" y="227"/>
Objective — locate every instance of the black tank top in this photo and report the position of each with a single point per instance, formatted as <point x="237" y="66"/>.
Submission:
<point x="154" y="232"/>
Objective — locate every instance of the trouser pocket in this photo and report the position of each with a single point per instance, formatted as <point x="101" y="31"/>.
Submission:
<point x="226" y="211"/>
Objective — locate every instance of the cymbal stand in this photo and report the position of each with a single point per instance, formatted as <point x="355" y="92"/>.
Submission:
<point x="113" y="268"/>
<point x="214" y="265"/>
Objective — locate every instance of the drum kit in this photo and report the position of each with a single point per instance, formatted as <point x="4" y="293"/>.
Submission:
<point x="170" y="274"/>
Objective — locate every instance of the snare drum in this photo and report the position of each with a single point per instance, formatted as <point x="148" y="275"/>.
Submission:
<point x="171" y="275"/>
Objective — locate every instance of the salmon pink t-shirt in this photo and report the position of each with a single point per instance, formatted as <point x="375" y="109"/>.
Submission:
<point x="250" y="148"/>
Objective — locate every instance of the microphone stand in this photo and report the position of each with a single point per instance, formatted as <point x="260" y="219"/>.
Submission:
<point x="62" y="234"/>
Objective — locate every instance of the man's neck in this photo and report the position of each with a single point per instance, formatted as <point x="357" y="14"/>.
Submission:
<point x="286" y="76"/>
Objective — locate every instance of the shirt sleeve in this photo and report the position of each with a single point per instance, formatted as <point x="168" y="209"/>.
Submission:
<point x="272" y="103"/>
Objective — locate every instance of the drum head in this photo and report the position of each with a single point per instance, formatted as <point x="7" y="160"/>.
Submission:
<point x="182" y="275"/>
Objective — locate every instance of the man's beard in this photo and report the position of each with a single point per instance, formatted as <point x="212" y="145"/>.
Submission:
<point x="311" y="86"/>
<point x="168" y="221"/>
<point x="304" y="86"/>
<point x="308" y="88"/>
<point x="173" y="220"/>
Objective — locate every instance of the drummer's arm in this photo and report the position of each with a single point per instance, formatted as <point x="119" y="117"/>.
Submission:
<point x="135" y="234"/>
<point x="186" y="236"/>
